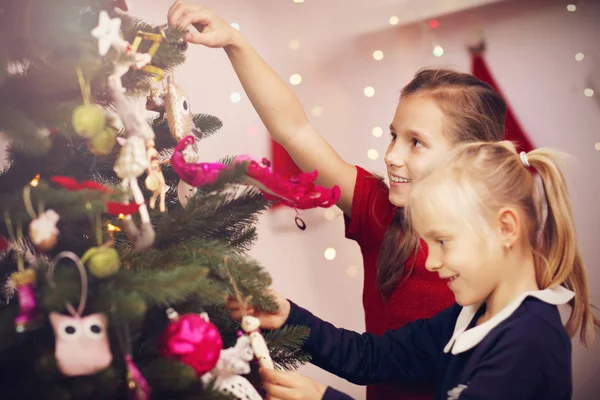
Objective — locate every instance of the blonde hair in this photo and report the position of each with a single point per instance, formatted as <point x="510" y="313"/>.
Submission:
<point x="489" y="176"/>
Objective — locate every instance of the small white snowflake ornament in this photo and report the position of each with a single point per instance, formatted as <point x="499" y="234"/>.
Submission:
<point x="107" y="32"/>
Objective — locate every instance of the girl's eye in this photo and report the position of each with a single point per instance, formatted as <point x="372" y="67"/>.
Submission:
<point x="393" y="135"/>
<point x="416" y="143"/>
<point x="442" y="242"/>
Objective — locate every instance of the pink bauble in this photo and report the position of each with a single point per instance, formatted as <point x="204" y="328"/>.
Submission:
<point x="193" y="341"/>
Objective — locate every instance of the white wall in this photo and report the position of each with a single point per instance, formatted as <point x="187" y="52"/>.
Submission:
<point x="531" y="53"/>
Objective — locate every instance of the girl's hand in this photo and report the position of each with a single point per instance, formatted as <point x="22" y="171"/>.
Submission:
<point x="290" y="386"/>
<point x="202" y="25"/>
<point x="267" y="320"/>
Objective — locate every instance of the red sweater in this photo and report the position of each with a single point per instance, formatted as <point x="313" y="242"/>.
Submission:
<point x="421" y="295"/>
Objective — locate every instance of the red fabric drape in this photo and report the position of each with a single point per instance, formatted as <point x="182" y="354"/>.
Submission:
<point x="282" y="163"/>
<point x="513" y="130"/>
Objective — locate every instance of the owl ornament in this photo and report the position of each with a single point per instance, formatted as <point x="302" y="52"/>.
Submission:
<point x="81" y="342"/>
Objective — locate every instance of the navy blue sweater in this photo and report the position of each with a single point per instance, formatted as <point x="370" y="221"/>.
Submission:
<point x="524" y="354"/>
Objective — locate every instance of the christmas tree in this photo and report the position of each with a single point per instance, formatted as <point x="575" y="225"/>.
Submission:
<point x="121" y="247"/>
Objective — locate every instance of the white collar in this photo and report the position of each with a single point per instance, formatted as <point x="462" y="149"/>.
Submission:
<point x="463" y="339"/>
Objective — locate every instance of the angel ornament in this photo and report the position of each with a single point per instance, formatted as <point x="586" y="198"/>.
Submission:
<point x="233" y="362"/>
<point x="251" y="325"/>
<point x="137" y="152"/>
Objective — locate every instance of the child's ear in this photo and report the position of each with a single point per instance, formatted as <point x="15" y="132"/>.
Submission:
<point x="509" y="225"/>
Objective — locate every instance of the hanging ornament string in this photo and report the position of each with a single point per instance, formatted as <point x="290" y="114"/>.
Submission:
<point x="236" y="292"/>
<point x="136" y="383"/>
<point x="251" y="325"/>
<point x="16" y="240"/>
<point x="97" y="224"/>
<point x="28" y="204"/>
<point x="84" y="86"/>
<point x="84" y="283"/>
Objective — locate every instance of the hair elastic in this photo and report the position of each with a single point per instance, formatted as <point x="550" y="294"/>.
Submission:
<point x="524" y="159"/>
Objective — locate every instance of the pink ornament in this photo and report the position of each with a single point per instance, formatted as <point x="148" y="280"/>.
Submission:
<point x="298" y="192"/>
<point x="138" y="388"/>
<point x="196" y="174"/>
<point x="193" y="340"/>
<point x="29" y="316"/>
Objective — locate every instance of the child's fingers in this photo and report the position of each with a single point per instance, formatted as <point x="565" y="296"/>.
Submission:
<point x="237" y="315"/>
<point x="233" y="305"/>
<point x="280" y="378"/>
<point x="197" y="17"/>
<point x="176" y="10"/>
<point x="276" y="392"/>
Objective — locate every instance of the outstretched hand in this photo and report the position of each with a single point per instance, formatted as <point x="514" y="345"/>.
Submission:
<point x="267" y="320"/>
<point x="203" y="27"/>
<point x="282" y="385"/>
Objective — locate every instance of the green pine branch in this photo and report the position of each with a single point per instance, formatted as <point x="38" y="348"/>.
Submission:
<point x="22" y="132"/>
<point x="211" y="215"/>
<point x="208" y="124"/>
<point x="171" y="379"/>
<point x="162" y="288"/>
<point x="72" y="206"/>
<point x="285" y="346"/>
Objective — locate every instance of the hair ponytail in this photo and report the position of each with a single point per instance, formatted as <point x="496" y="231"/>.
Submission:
<point x="558" y="245"/>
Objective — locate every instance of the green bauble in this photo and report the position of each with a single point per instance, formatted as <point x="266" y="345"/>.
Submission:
<point x="88" y="120"/>
<point x="103" y="143"/>
<point x="102" y="262"/>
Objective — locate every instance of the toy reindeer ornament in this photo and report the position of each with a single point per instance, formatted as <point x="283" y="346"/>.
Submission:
<point x="173" y="104"/>
<point x="137" y="152"/>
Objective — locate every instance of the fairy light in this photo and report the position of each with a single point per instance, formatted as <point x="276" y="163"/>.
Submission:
<point x="378" y="55"/>
<point x="579" y="56"/>
<point x="330" y="253"/>
<point x="369" y="91"/>
<point x="438" y="51"/>
<point x="235" y="26"/>
<point x="571" y="7"/>
<point x="35" y="181"/>
<point x="112" y="228"/>
<point x="433" y="24"/>
<point x="298" y="1"/>
<point x="121" y="216"/>
<point x="295" y="79"/>
<point x="377" y="131"/>
<point x="235" y="97"/>
<point x="394" y="20"/>
<point x="588" y="92"/>
<point x="597" y="146"/>
<point x="373" y="154"/>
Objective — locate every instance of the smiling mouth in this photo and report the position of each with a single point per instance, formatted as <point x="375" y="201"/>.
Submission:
<point x="449" y="279"/>
<point x="399" y="179"/>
